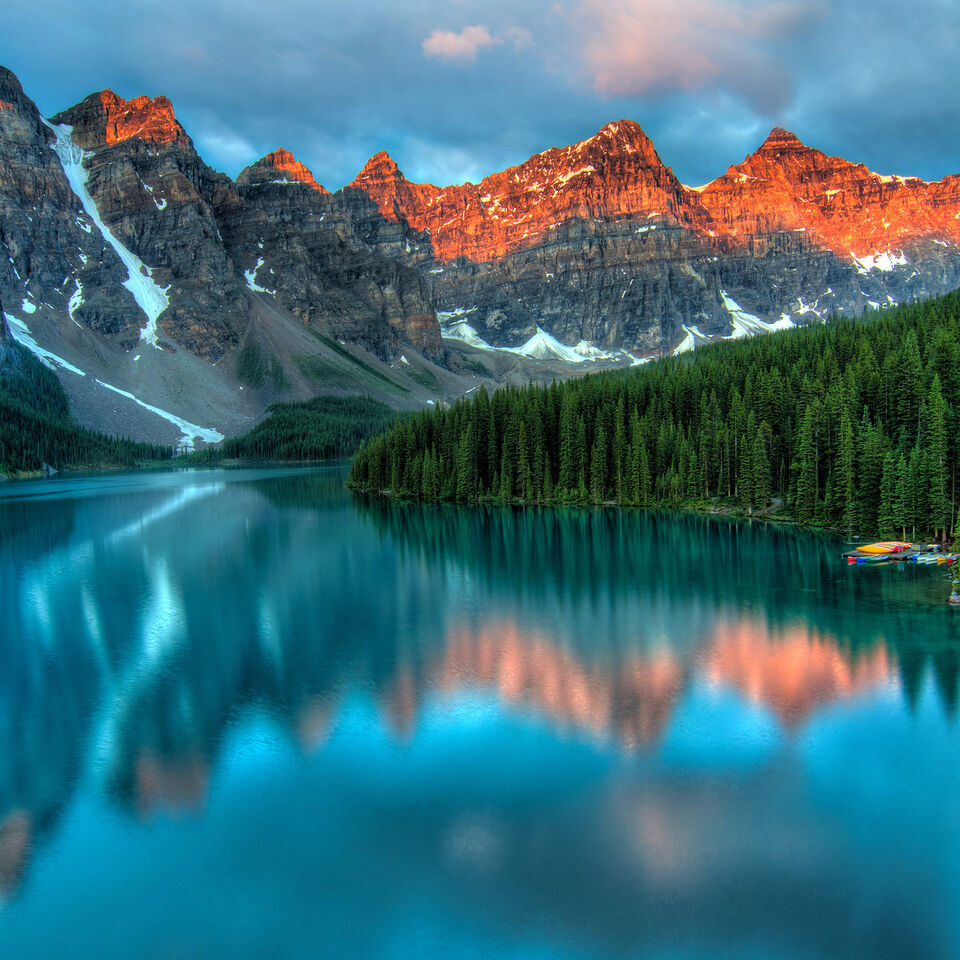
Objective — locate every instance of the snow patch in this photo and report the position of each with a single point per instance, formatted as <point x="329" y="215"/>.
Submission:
<point x="22" y="335"/>
<point x="251" y="277"/>
<point x="76" y="300"/>
<point x="689" y="342"/>
<point x="27" y="307"/>
<point x="403" y="359"/>
<point x="462" y="331"/>
<point x="151" y="298"/>
<point x="566" y="177"/>
<point x="544" y="346"/>
<point x="190" y="431"/>
<point x="746" y="324"/>
<point x="541" y="346"/>
<point x="885" y="262"/>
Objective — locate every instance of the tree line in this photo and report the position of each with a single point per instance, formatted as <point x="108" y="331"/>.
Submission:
<point x="853" y="424"/>
<point x="316" y="429"/>
<point x="36" y="427"/>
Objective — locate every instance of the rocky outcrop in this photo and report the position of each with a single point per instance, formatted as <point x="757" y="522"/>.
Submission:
<point x="104" y="119"/>
<point x="787" y="186"/>
<point x="285" y="236"/>
<point x="157" y="197"/>
<point x="616" y="172"/>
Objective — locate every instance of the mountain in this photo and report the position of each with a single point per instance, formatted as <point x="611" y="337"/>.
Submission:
<point x="600" y="242"/>
<point x="155" y="283"/>
<point x="136" y="266"/>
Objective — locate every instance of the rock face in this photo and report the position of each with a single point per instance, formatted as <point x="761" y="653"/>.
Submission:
<point x="194" y="236"/>
<point x="281" y="236"/>
<point x="599" y="241"/>
<point x="47" y="245"/>
<point x="615" y="172"/>
<point x="156" y="196"/>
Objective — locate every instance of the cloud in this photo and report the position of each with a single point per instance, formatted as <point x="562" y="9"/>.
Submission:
<point x="520" y="37"/>
<point x="639" y="47"/>
<point x="463" y="47"/>
<point x="459" y="47"/>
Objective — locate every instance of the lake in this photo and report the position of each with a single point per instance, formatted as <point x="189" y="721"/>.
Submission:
<point x="244" y="715"/>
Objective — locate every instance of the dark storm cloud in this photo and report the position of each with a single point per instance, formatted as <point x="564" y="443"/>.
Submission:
<point x="458" y="89"/>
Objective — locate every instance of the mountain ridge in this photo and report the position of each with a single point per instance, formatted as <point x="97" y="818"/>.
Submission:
<point x="119" y="239"/>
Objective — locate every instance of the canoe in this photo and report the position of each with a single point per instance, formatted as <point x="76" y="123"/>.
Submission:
<point x="885" y="546"/>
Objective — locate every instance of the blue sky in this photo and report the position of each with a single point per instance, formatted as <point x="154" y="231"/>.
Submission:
<point x="457" y="89"/>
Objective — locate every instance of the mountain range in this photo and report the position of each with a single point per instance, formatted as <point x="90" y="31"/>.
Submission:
<point x="176" y="302"/>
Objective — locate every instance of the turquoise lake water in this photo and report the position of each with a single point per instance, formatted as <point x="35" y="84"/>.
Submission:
<point x="243" y="715"/>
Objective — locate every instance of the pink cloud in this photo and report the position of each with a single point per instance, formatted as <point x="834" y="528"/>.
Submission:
<point x="459" y="47"/>
<point x="633" y="47"/>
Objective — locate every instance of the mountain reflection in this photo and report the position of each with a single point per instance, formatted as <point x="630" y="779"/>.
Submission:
<point x="629" y="701"/>
<point x="149" y="623"/>
<point x="794" y="673"/>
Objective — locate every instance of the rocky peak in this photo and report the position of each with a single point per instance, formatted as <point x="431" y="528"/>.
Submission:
<point x="379" y="169"/>
<point x="105" y="118"/>
<point x="280" y="166"/>
<point x="621" y="137"/>
<point x="781" y="141"/>
<point x="614" y="173"/>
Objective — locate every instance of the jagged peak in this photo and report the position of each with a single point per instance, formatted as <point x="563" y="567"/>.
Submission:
<point x="780" y="140"/>
<point x="279" y="161"/>
<point x="381" y="166"/>
<point x="618" y="134"/>
<point x="106" y="118"/>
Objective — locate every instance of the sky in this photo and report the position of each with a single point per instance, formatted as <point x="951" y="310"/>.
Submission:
<point x="458" y="89"/>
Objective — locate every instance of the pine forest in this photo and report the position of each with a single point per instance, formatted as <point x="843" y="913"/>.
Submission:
<point x="850" y="424"/>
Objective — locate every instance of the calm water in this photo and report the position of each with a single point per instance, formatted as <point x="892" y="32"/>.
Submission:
<point x="242" y="716"/>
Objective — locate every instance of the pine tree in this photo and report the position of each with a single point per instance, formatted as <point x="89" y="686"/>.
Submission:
<point x="598" y="466"/>
<point x="807" y="492"/>
<point x="760" y="470"/>
<point x="465" y="471"/>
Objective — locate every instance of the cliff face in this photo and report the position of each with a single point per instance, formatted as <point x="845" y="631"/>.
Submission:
<point x="285" y="237"/>
<point x="599" y="241"/>
<point x="615" y="172"/>
<point x="47" y="244"/>
<point x="196" y="240"/>
<point x="156" y="197"/>
<point x="787" y="186"/>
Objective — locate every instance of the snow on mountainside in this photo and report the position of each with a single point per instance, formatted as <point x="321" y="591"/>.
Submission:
<point x="151" y="298"/>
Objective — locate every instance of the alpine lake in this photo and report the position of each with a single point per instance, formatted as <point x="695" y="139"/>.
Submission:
<point x="246" y="715"/>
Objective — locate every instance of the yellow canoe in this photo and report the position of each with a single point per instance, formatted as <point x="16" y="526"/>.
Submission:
<point x="885" y="546"/>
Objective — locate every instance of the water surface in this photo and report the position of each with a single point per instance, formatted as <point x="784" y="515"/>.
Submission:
<point x="242" y="715"/>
